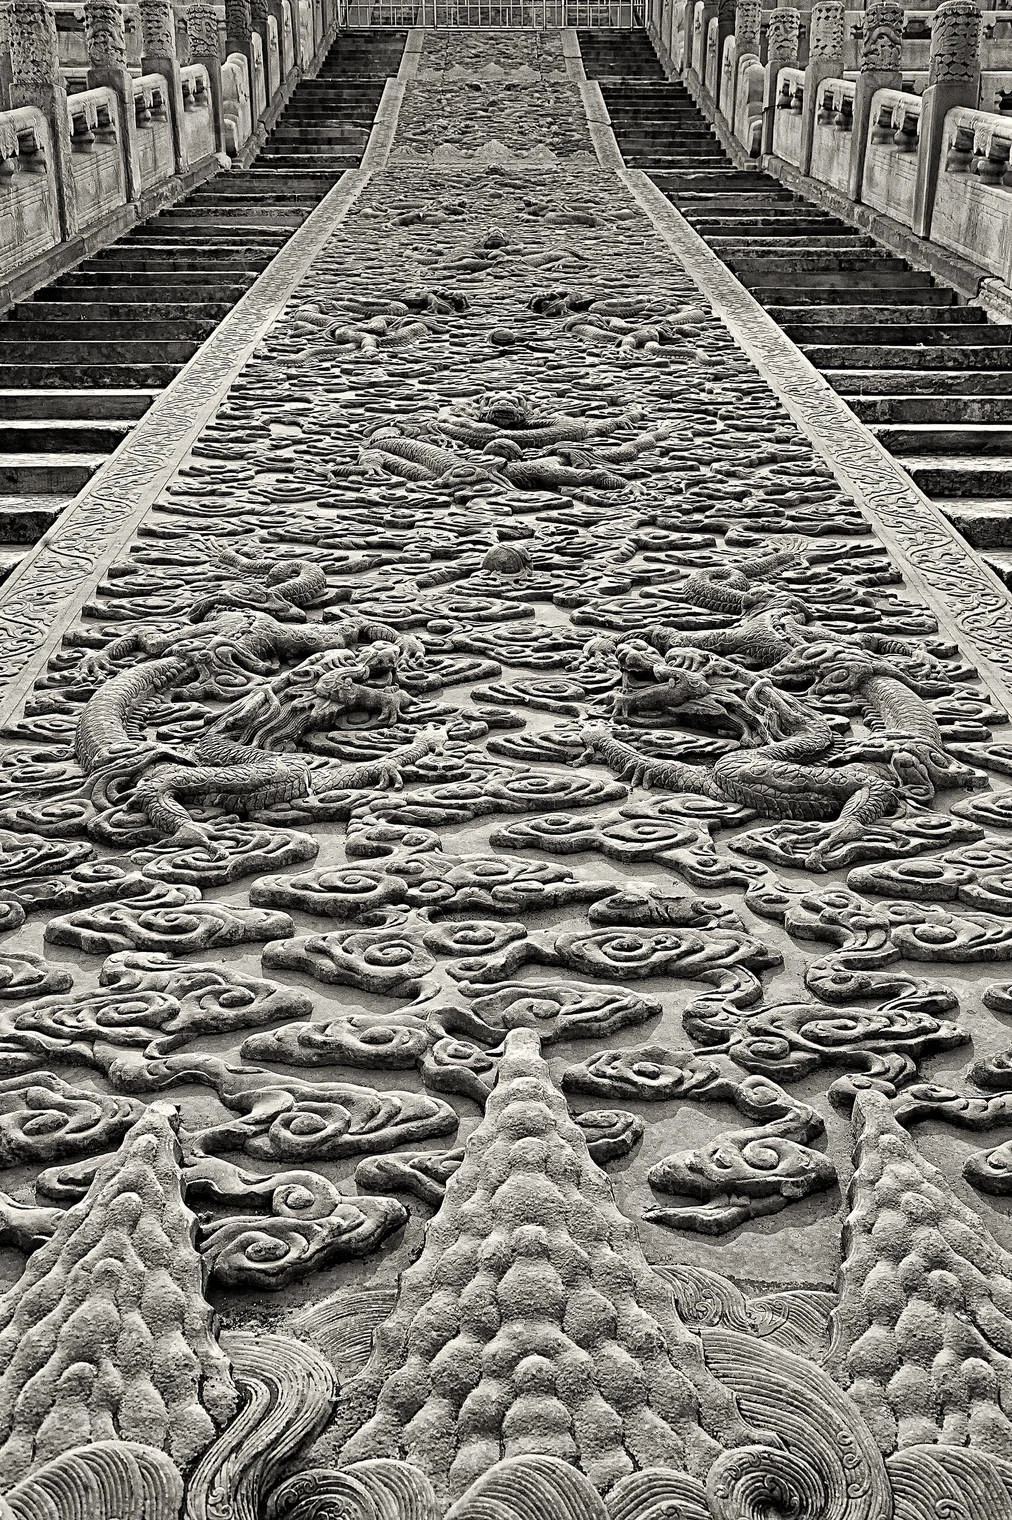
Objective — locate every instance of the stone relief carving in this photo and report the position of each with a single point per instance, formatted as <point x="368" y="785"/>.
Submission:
<point x="748" y="15"/>
<point x="106" y="33"/>
<point x="202" y="30"/>
<point x="826" y="32"/>
<point x="158" y="28"/>
<point x="33" y="44"/>
<point x="955" y="42"/>
<point x="504" y="886"/>
<point x="882" y="40"/>
<point x="783" y="37"/>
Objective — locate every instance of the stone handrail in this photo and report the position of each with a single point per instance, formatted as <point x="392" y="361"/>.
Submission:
<point x="972" y="213"/>
<point x="78" y="169"/>
<point x="98" y="175"/>
<point x="890" y="166"/>
<point x="833" y="137"/>
<point x="789" y="103"/>
<point x="29" y="206"/>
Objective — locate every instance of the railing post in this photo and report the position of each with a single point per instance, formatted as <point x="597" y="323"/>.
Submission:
<point x="36" y="81"/>
<point x="748" y="20"/>
<point x="881" y="69"/>
<point x="107" y="67"/>
<point x="953" y="80"/>
<point x="782" y="38"/>
<point x="5" y="56"/>
<point x="158" y="56"/>
<point x="825" y="61"/>
<point x="202" y="30"/>
<point x="239" y="37"/>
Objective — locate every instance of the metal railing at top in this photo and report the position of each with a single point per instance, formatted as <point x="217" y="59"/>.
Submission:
<point x="534" y="15"/>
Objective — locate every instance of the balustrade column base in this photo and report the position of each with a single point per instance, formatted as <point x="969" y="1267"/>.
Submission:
<point x="101" y="76"/>
<point x="171" y="73"/>
<point x="936" y="102"/>
<point x="213" y="66"/>
<point x="868" y="83"/>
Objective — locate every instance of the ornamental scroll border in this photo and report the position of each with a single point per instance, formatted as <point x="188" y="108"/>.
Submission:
<point x="970" y="601"/>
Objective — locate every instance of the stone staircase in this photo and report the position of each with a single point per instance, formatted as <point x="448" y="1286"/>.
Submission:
<point x="932" y="378"/>
<point x="85" y="357"/>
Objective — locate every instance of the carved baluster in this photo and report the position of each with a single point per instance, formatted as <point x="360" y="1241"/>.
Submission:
<point x="36" y="81"/>
<point x="783" y="37"/>
<point x="158" y="56"/>
<point x="825" y="61"/>
<point x="881" y="54"/>
<point x="202" y="31"/>
<point x="748" y="16"/>
<point x="107" y="66"/>
<point x="953" y="80"/>
<point x="698" y="74"/>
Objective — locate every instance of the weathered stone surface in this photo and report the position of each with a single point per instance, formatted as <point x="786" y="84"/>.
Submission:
<point x="504" y="750"/>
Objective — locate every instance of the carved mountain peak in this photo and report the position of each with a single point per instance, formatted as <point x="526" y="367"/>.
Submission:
<point x="531" y="1324"/>
<point x="108" y="1335"/>
<point x="921" y="1336"/>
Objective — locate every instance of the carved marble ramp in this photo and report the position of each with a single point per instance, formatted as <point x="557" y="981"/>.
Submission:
<point x="505" y="902"/>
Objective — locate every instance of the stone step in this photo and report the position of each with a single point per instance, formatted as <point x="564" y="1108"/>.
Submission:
<point x="912" y="335"/>
<point x="65" y="335"/>
<point x="1000" y="561"/>
<point x="142" y="297"/>
<point x="130" y="265"/>
<point x="24" y="519"/>
<point x="742" y="229"/>
<point x="890" y="315"/>
<point x="246" y="196"/>
<point x="810" y="247"/>
<point x="47" y="474"/>
<point x="53" y="436"/>
<point x="38" y="368"/>
<point x="953" y="439"/>
<point x="953" y="478"/>
<point x="151" y="313"/>
<point x="941" y="357"/>
<point x="801" y="264"/>
<point x="985" y="523"/>
<point x="963" y="411"/>
<point x="190" y="260"/>
<point x="335" y="166"/>
<point x="919" y="382"/>
<point x="76" y="351"/>
<point x="228" y="219"/>
<point x="75" y="405"/>
<point x="237" y="235"/>
<point x="779" y="300"/>
<point x="10" y="558"/>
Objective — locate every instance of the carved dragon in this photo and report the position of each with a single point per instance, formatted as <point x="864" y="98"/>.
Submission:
<point x="788" y="764"/>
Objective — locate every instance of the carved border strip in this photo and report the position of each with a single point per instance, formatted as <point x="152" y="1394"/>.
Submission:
<point x="384" y="127"/>
<point x="970" y="601"/>
<point x="574" y="58"/>
<point x="609" y="154"/>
